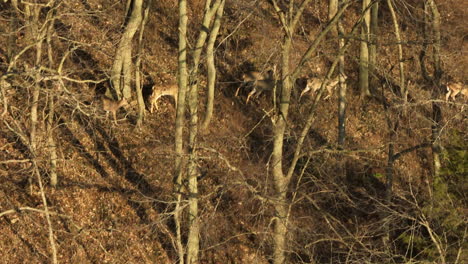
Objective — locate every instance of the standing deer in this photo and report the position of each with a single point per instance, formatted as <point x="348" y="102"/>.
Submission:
<point x="314" y="84"/>
<point x="258" y="81"/>
<point x="112" y="106"/>
<point x="453" y="89"/>
<point x="159" y="91"/>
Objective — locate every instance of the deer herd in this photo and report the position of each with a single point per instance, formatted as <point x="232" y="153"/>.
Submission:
<point x="255" y="83"/>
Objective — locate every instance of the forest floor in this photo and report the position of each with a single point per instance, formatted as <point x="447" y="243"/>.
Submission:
<point x="115" y="194"/>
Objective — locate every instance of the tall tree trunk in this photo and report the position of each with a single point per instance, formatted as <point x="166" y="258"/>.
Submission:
<point x="138" y="82"/>
<point x="37" y="33"/>
<point x="364" y="51"/>
<point x="50" y="118"/>
<point x="211" y="66"/>
<point x="436" y="109"/>
<point x="374" y="32"/>
<point x="179" y="125"/>
<point x="121" y="68"/>
<point x="437" y="42"/>
<point x="337" y="30"/>
<point x="193" y="243"/>
<point x="422" y="55"/>
<point x="50" y="139"/>
<point x="403" y="91"/>
<point x="281" y="181"/>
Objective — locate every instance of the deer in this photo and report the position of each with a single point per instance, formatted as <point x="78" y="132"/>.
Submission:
<point x="453" y="89"/>
<point x="159" y="91"/>
<point x="258" y="81"/>
<point x="314" y="84"/>
<point x="112" y="106"/>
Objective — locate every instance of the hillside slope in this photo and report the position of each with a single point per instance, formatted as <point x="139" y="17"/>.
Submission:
<point x="114" y="199"/>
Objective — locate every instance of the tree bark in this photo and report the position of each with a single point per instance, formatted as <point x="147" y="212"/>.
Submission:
<point x="403" y="91"/>
<point x="138" y="82"/>
<point x="374" y="33"/>
<point x="437" y="41"/>
<point x="121" y="68"/>
<point x="281" y="181"/>
<point x="211" y="66"/>
<point x="37" y="33"/>
<point x="364" y="51"/>
<point x="179" y="125"/>
<point x="337" y="30"/>
<point x="50" y="118"/>
<point x="193" y="243"/>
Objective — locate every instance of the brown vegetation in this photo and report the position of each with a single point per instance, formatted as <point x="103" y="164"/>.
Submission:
<point x="114" y="197"/>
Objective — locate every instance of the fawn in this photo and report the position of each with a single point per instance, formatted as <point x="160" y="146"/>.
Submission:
<point x="110" y="105"/>
<point x="159" y="91"/>
<point x="453" y="89"/>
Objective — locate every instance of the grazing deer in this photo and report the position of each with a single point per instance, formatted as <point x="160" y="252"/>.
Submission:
<point x="314" y="84"/>
<point x="453" y="89"/>
<point x="110" y="105"/>
<point x="258" y="81"/>
<point x="159" y="91"/>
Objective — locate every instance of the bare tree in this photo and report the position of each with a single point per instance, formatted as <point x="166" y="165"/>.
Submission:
<point x="364" y="51"/>
<point x="211" y="66"/>
<point x="193" y="243"/>
<point x="402" y="84"/>
<point x="179" y="125"/>
<point x="281" y="180"/>
<point x="138" y="82"/>
<point x="121" y="72"/>
<point x="373" y="38"/>
<point x="337" y="31"/>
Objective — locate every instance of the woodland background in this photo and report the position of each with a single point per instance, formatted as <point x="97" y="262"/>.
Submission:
<point x="281" y="179"/>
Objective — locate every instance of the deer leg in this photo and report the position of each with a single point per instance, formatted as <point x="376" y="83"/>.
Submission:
<point x="329" y="90"/>
<point x="115" y="118"/>
<point x="454" y="94"/>
<point x="250" y="94"/>
<point x="238" y="89"/>
<point x="447" y="95"/>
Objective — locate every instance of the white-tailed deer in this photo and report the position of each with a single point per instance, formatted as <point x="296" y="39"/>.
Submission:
<point x="112" y="106"/>
<point x="159" y="91"/>
<point x="258" y="81"/>
<point x="453" y="89"/>
<point x="314" y="84"/>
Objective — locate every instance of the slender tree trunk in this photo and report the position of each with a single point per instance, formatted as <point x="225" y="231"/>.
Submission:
<point x="3" y="86"/>
<point x="437" y="42"/>
<point x="193" y="243"/>
<point x="436" y="146"/>
<point x="121" y="68"/>
<point x="364" y="51"/>
<point x="374" y="28"/>
<point x="138" y="82"/>
<point x="37" y="34"/>
<point x="50" y="119"/>
<point x="179" y="126"/>
<point x="11" y="42"/>
<point x="51" y="140"/>
<point x="332" y="9"/>
<point x="337" y="30"/>
<point x="436" y="109"/>
<point x="281" y="180"/>
<point x="211" y="66"/>
<point x="392" y="129"/>
<point x="426" y="30"/>
<point x="403" y="91"/>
